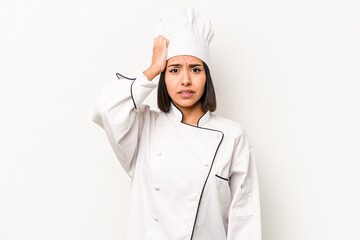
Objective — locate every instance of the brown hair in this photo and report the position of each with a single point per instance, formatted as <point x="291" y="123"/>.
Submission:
<point x="208" y="99"/>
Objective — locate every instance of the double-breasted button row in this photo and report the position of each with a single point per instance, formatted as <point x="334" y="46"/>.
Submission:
<point x="249" y="196"/>
<point x="157" y="188"/>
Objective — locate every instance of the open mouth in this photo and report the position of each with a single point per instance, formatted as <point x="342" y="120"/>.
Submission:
<point x="186" y="93"/>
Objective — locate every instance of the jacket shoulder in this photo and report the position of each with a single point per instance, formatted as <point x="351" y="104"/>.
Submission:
<point x="228" y="126"/>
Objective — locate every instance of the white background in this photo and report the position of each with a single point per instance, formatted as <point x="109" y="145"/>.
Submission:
<point x="288" y="71"/>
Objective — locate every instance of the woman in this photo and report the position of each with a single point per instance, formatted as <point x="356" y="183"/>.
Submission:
<point x="193" y="172"/>
<point x="183" y="84"/>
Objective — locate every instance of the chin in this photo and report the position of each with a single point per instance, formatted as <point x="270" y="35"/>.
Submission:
<point x="185" y="102"/>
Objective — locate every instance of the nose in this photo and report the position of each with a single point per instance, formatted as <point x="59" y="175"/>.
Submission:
<point x="186" y="79"/>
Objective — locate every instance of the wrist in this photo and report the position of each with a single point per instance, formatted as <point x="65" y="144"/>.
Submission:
<point x="152" y="72"/>
<point x="156" y="69"/>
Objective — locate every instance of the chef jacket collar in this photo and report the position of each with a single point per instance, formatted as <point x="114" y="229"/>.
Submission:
<point x="176" y="114"/>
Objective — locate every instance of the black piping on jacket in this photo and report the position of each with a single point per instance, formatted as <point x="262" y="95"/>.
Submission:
<point x="119" y="76"/>
<point x="197" y="126"/>
<point x="222" y="177"/>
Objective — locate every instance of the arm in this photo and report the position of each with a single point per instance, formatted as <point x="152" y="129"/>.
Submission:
<point x="119" y="110"/>
<point x="244" y="214"/>
<point x="120" y="113"/>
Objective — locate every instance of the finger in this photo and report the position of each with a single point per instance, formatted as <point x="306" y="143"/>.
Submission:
<point x="164" y="41"/>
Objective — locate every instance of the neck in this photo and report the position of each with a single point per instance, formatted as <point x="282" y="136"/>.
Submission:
<point x="191" y="114"/>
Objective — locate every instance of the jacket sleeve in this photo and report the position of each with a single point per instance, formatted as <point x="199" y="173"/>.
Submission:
<point x="120" y="113"/>
<point x="244" y="214"/>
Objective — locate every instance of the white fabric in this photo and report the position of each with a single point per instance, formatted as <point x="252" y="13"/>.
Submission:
<point x="188" y="182"/>
<point x="189" y="33"/>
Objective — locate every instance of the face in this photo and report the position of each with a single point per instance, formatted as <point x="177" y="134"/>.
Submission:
<point x="185" y="80"/>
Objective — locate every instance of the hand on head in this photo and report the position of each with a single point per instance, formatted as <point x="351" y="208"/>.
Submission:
<point x="158" y="62"/>
<point x="160" y="48"/>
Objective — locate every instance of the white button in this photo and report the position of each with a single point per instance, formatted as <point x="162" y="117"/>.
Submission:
<point x="155" y="218"/>
<point x="216" y="135"/>
<point x="161" y="124"/>
<point x="158" y="153"/>
<point x="193" y="196"/>
<point x="206" y="164"/>
<point x="156" y="187"/>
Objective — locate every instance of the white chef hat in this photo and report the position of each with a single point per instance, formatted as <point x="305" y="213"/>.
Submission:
<point x="189" y="33"/>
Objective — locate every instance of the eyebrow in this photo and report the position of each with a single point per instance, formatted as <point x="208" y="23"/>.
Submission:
<point x="178" y="64"/>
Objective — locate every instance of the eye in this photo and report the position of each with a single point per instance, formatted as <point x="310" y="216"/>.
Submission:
<point x="198" y="70"/>
<point x="174" y="70"/>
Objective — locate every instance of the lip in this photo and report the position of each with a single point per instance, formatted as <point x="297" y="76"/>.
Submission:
<point x="186" y="90"/>
<point x="186" y="95"/>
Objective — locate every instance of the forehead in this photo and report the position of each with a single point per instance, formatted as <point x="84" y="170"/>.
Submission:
<point x="184" y="59"/>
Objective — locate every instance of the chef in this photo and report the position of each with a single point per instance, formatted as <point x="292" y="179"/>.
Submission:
<point x="193" y="173"/>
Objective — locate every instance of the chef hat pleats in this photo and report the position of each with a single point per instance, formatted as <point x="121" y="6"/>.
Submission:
<point x="189" y="33"/>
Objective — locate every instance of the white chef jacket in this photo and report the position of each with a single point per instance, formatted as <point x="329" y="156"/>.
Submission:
<point x="187" y="182"/>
